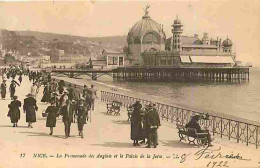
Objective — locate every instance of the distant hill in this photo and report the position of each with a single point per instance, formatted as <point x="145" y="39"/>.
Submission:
<point x="113" y="40"/>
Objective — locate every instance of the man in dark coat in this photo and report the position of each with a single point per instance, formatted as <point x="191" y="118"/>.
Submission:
<point x="82" y="114"/>
<point x="194" y="123"/>
<point x="136" y="124"/>
<point x="14" y="111"/>
<point x="30" y="108"/>
<point x="3" y="89"/>
<point x="53" y="86"/>
<point x="67" y="117"/>
<point x="153" y="123"/>
<point x="71" y="91"/>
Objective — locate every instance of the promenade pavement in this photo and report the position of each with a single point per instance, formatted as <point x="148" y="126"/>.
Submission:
<point x="106" y="143"/>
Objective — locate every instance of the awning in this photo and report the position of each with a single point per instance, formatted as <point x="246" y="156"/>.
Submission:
<point x="185" y="59"/>
<point x="212" y="59"/>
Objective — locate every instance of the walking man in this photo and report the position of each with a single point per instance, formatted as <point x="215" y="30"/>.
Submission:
<point x="93" y="96"/>
<point x="67" y="118"/>
<point x="82" y="114"/>
<point x="153" y="122"/>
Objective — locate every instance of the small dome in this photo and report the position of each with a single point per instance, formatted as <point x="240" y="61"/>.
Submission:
<point x="227" y="43"/>
<point x="177" y="21"/>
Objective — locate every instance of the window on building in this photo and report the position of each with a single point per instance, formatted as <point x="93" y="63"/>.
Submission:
<point x="163" y="60"/>
<point x="169" y="60"/>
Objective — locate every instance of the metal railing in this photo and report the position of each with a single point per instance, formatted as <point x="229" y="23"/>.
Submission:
<point x="240" y="131"/>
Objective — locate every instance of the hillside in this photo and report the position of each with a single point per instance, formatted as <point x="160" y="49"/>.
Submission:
<point x="112" y="40"/>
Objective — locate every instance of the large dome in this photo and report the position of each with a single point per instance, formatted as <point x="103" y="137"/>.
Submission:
<point x="146" y="26"/>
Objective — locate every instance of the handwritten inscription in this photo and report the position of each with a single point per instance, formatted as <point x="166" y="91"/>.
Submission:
<point x="207" y="153"/>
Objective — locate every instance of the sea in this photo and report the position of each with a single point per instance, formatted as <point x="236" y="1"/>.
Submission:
<point x="234" y="99"/>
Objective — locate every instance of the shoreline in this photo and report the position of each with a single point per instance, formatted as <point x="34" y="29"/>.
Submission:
<point x="102" y="86"/>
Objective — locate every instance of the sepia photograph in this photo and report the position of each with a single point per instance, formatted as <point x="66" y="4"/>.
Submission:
<point x="130" y="84"/>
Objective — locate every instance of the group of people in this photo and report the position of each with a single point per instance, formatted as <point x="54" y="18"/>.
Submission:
<point x="144" y="124"/>
<point x="146" y="121"/>
<point x="70" y="102"/>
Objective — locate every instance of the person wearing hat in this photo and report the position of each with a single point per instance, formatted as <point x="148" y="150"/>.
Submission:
<point x="34" y="90"/>
<point x="12" y="88"/>
<point x="55" y="98"/>
<point x="86" y="95"/>
<point x="93" y="95"/>
<point x="53" y="85"/>
<point x="85" y="91"/>
<point x="71" y="91"/>
<point x="61" y="85"/>
<point x="20" y="79"/>
<point x="148" y="108"/>
<point x="82" y="114"/>
<point x="3" y="89"/>
<point x="30" y="108"/>
<point x="14" y="111"/>
<point x="194" y="123"/>
<point x="136" y="124"/>
<point x="46" y="94"/>
<point x="52" y="112"/>
<point x="64" y="97"/>
<point x="67" y="117"/>
<point x="153" y="123"/>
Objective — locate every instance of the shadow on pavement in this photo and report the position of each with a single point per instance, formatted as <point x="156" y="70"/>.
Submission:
<point x="11" y="126"/>
<point x="124" y="122"/>
<point x="115" y="145"/>
<point x="105" y="113"/>
<point x="44" y="134"/>
<point x="177" y="144"/>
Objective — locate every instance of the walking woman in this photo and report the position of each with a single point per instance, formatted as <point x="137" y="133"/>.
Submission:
<point x="14" y="111"/>
<point x="136" y="124"/>
<point x="3" y="89"/>
<point x="46" y="94"/>
<point x="30" y="108"/>
<point x="12" y="88"/>
<point x="52" y="112"/>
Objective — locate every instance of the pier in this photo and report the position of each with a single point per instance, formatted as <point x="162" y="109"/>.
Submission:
<point x="184" y="74"/>
<point x="212" y="74"/>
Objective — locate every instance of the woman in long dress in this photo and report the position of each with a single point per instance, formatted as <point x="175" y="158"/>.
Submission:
<point x="46" y="94"/>
<point x="30" y="109"/>
<point x="14" y="111"/>
<point x="3" y="89"/>
<point x="52" y="112"/>
<point x="136" y="124"/>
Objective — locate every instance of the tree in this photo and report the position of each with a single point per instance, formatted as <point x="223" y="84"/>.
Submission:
<point x="8" y="58"/>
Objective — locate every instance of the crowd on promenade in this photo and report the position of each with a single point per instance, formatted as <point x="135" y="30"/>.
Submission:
<point x="68" y="101"/>
<point x="75" y="104"/>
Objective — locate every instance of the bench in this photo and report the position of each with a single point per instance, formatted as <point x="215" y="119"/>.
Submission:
<point x="192" y="135"/>
<point x="129" y="112"/>
<point x="114" y="107"/>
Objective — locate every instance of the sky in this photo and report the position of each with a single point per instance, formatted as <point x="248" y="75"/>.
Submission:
<point x="237" y="19"/>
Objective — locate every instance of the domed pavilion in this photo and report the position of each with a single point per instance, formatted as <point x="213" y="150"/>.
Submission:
<point x="145" y="35"/>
